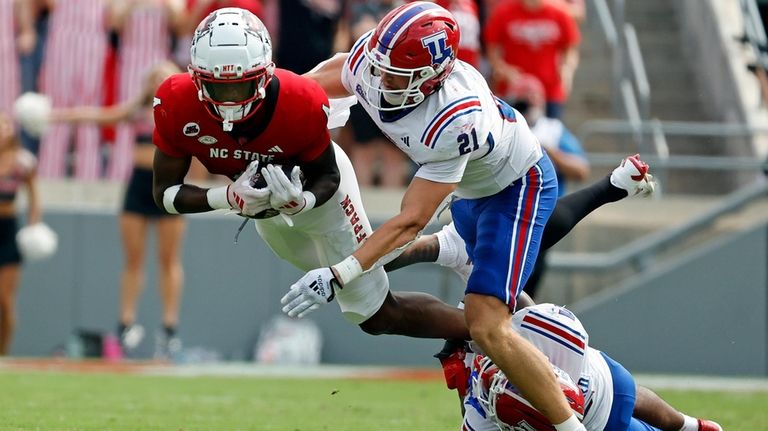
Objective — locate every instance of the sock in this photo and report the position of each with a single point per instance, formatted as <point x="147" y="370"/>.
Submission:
<point x="572" y="424"/>
<point x="689" y="423"/>
<point x="170" y="330"/>
<point x="572" y="208"/>
<point x="448" y="251"/>
<point x="121" y="327"/>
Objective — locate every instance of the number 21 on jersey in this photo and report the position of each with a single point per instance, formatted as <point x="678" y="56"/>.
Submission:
<point x="468" y="142"/>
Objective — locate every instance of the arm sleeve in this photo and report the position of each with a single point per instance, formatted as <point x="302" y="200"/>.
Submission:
<point x="162" y="136"/>
<point x="446" y="171"/>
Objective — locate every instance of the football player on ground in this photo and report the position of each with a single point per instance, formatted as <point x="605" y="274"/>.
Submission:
<point x="468" y="143"/>
<point x="612" y="401"/>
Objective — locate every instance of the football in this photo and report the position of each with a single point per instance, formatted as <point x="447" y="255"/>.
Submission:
<point x="258" y="182"/>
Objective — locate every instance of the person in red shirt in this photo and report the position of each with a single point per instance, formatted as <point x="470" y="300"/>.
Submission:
<point x="468" y="17"/>
<point x="242" y="117"/>
<point x="537" y="37"/>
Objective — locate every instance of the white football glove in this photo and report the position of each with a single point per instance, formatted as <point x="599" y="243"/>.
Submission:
<point x="245" y="199"/>
<point x="286" y="194"/>
<point x="316" y="288"/>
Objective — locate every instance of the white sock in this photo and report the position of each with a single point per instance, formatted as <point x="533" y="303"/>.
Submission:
<point x="448" y="251"/>
<point x="571" y="424"/>
<point x="689" y="423"/>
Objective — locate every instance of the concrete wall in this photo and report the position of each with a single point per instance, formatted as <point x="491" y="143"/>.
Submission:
<point x="704" y="313"/>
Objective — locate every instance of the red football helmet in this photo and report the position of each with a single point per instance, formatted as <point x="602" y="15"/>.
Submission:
<point x="418" y="41"/>
<point x="504" y="404"/>
<point x="231" y="64"/>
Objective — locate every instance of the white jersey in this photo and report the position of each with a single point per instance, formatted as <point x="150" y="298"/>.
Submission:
<point x="559" y="334"/>
<point x="460" y="134"/>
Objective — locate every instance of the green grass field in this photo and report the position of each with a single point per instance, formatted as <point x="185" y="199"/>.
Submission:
<point x="54" y="401"/>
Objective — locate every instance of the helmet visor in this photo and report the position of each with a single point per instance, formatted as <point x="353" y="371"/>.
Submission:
<point x="230" y="92"/>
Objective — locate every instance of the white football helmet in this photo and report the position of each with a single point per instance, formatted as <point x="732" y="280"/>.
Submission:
<point x="231" y="64"/>
<point x="504" y="405"/>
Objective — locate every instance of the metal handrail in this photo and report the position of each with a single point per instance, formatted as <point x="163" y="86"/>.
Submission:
<point x="687" y="128"/>
<point x="606" y="23"/>
<point x="754" y="31"/>
<point x="714" y="163"/>
<point x="637" y="69"/>
<point x="640" y="251"/>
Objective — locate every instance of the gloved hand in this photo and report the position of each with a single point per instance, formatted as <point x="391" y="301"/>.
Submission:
<point x="455" y="368"/>
<point x="245" y="199"/>
<point x="316" y="288"/>
<point x="286" y="193"/>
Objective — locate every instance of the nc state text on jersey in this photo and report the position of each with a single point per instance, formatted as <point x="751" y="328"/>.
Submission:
<point x="224" y="153"/>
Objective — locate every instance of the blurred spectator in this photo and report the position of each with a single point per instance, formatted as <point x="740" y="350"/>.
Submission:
<point x="526" y="95"/>
<point x="194" y="12"/>
<point x="468" y="16"/>
<point x="375" y="158"/>
<point x="17" y="168"/>
<point x="145" y="29"/>
<point x="10" y="13"/>
<point x="536" y="37"/>
<point x="33" y="31"/>
<point x="73" y="74"/>
<point x="306" y="32"/>
<point x="576" y="8"/>
<point x="139" y="212"/>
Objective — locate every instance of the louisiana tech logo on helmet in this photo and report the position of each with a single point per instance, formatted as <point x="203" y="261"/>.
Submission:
<point x="437" y="46"/>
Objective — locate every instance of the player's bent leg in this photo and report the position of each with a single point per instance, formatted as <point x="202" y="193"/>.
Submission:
<point x="652" y="409"/>
<point x="416" y="314"/>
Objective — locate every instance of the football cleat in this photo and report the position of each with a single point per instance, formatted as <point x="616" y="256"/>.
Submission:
<point x="131" y="336"/>
<point x="166" y="348"/>
<point x="632" y="175"/>
<point x="705" y="425"/>
<point x="461" y="263"/>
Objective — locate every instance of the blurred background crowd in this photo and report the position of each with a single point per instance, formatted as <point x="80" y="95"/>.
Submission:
<point x="96" y="53"/>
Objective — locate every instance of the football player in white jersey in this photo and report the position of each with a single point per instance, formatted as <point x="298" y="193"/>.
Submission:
<point x="611" y="399"/>
<point x="468" y="143"/>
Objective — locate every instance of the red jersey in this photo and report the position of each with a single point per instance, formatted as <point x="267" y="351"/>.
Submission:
<point x="532" y="41"/>
<point x="289" y="127"/>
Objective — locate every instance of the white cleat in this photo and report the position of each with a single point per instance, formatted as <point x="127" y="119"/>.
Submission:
<point x="132" y="336"/>
<point x="632" y="175"/>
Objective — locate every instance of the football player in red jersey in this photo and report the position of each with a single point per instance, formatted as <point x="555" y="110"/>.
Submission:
<point x="238" y="114"/>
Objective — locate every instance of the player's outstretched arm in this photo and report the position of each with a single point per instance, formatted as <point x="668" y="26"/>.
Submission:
<point x="328" y="75"/>
<point x="420" y="202"/>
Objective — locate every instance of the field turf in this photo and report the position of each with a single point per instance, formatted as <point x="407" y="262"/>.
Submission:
<point x="92" y="401"/>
